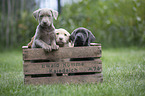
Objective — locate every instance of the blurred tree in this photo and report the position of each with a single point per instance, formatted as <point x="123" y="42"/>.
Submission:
<point x="59" y="6"/>
<point x="16" y="21"/>
<point x="114" y="22"/>
<point x="2" y="20"/>
<point x="8" y="24"/>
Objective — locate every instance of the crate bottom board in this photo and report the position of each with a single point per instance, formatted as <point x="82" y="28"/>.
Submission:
<point x="95" y="78"/>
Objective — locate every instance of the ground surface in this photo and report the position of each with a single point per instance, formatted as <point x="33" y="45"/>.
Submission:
<point x="123" y="73"/>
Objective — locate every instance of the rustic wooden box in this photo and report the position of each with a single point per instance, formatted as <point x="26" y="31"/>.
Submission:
<point x="45" y="72"/>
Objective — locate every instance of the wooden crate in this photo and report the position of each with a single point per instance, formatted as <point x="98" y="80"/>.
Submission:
<point x="38" y="70"/>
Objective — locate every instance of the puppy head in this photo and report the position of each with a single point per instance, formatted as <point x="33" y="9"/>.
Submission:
<point x="62" y="37"/>
<point x="45" y="16"/>
<point x="82" y="37"/>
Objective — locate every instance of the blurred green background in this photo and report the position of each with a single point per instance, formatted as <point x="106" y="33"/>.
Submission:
<point x="115" y="23"/>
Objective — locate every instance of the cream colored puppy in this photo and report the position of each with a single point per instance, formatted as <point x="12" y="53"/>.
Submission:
<point x="62" y="37"/>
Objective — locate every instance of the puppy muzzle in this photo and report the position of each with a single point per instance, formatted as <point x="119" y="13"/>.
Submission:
<point x="45" y="24"/>
<point x="79" y="41"/>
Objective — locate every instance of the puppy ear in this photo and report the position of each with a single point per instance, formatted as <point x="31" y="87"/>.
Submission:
<point x="36" y="14"/>
<point x="55" y="14"/>
<point x="73" y="34"/>
<point x="91" y="37"/>
<point x="71" y="43"/>
<point x="71" y="38"/>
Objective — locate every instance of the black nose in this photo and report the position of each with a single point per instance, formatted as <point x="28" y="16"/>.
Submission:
<point x="60" y="38"/>
<point x="44" y="23"/>
<point x="79" y="37"/>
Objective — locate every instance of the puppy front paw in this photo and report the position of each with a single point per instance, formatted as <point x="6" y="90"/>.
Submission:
<point x="55" y="47"/>
<point x="47" y="48"/>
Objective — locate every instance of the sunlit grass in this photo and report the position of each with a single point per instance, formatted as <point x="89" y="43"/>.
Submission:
<point x="123" y="73"/>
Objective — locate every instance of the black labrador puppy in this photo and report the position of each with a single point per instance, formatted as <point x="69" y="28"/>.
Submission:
<point x="81" y="37"/>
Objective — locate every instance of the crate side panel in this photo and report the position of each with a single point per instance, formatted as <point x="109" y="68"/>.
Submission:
<point x="63" y="67"/>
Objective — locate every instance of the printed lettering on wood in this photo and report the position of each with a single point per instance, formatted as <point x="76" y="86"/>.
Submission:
<point x="63" y="67"/>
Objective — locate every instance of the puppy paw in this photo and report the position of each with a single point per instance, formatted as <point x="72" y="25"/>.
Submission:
<point x="47" y="48"/>
<point x="55" y="47"/>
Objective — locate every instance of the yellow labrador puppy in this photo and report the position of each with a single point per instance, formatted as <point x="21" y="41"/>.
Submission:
<point x="62" y="37"/>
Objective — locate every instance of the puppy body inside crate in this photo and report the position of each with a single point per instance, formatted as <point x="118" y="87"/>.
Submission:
<point x="82" y="37"/>
<point x="45" y="32"/>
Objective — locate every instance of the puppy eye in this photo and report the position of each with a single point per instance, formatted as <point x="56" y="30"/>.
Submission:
<point x="57" y="33"/>
<point x="65" y="34"/>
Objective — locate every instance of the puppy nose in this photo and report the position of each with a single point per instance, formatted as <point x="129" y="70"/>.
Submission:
<point x="44" y="23"/>
<point x="78" y="37"/>
<point x="60" y="38"/>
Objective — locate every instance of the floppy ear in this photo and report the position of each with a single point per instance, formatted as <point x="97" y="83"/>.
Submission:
<point x="73" y="34"/>
<point x="91" y="37"/>
<point x="69" y="40"/>
<point x="36" y="14"/>
<point x="55" y="14"/>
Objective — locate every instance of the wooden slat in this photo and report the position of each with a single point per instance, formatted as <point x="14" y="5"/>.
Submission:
<point x="91" y="44"/>
<point x="68" y="52"/>
<point x="96" y="78"/>
<point x="63" y="67"/>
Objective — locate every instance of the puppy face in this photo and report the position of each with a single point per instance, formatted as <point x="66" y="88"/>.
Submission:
<point x="62" y="37"/>
<point x="45" y="16"/>
<point x="82" y="37"/>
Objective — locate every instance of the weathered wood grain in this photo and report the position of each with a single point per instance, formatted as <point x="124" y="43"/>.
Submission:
<point x="62" y="67"/>
<point x="68" y="52"/>
<point x="96" y="78"/>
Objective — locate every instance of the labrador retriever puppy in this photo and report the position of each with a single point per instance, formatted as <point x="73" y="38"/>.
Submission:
<point x="62" y="37"/>
<point x="82" y="37"/>
<point x="45" y="33"/>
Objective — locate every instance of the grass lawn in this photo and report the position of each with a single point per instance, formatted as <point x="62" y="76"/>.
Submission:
<point x="123" y="73"/>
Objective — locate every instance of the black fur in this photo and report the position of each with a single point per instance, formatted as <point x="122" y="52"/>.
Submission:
<point x="81" y="37"/>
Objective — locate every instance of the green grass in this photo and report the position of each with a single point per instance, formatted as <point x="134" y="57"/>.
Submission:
<point x="123" y="73"/>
